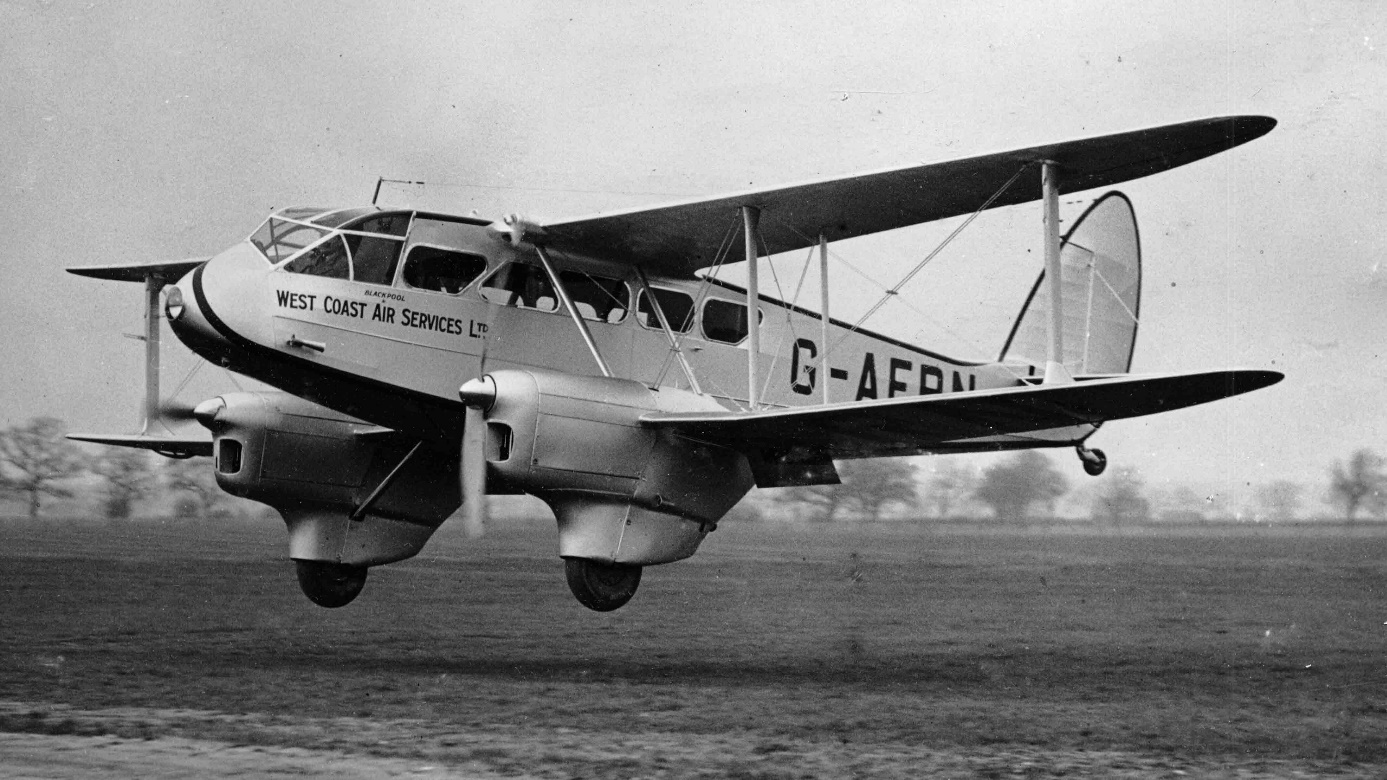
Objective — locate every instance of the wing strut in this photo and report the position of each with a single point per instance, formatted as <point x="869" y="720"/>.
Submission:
<point x="572" y="310"/>
<point x="365" y="506"/>
<point x="153" y="283"/>
<point x="823" y="307"/>
<point x="1055" y="372"/>
<point x="750" y="217"/>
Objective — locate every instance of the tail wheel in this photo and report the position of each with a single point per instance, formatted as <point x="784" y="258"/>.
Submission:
<point x="1095" y="462"/>
<point x="329" y="584"/>
<point x="599" y="586"/>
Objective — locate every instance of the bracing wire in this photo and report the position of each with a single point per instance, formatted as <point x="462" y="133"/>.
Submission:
<point x="918" y="266"/>
<point x="833" y="254"/>
<point x="864" y="276"/>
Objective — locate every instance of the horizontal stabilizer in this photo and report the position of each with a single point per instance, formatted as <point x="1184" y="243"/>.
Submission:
<point x="951" y="421"/>
<point x="164" y="272"/>
<point x="180" y="446"/>
<point x="678" y="239"/>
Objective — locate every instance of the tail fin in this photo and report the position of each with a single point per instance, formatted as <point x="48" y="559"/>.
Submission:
<point x="1101" y="262"/>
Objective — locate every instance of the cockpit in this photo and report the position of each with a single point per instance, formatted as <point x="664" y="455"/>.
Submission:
<point x="361" y="244"/>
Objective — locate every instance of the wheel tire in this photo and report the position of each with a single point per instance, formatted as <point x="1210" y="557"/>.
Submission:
<point x="601" y="587"/>
<point x="328" y="584"/>
<point x="1096" y="463"/>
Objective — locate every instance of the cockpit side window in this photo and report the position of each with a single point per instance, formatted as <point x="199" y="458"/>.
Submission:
<point x="518" y="284"/>
<point x="328" y="259"/>
<point x="374" y="257"/>
<point x="441" y="270"/>
<point x="596" y="297"/>
<point x="278" y="239"/>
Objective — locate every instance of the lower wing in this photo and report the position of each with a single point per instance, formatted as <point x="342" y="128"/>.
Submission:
<point x="177" y="446"/>
<point x="1027" y="415"/>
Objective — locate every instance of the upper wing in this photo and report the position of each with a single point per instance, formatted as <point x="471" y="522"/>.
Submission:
<point x="678" y="239"/>
<point x="918" y="424"/>
<point x="138" y="272"/>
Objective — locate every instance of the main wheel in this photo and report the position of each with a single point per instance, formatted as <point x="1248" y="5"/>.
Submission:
<point x="601" y="586"/>
<point x="330" y="584"/>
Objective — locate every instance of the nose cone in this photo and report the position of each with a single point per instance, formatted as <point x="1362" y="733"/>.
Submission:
<point x="215" y="309"/>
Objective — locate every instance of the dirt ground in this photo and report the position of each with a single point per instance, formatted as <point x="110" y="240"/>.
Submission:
<point x="174" y="649"/>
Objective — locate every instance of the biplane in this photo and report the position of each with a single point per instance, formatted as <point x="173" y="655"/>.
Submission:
<point x="420" y="361"/>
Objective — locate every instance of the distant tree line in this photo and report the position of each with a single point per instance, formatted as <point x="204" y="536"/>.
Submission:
<point x="1026" y="486"/>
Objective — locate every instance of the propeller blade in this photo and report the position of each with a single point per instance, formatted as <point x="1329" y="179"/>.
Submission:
<point x="473" y="472"/>
<point x="477" y="396"/>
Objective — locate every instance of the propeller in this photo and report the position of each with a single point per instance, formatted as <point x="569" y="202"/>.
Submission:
<point x="478" y="396"/>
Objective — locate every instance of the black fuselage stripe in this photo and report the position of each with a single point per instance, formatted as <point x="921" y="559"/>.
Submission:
<point x="216" y="322"/>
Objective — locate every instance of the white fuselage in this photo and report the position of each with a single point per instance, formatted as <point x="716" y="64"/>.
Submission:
<point x="383" y="352"/>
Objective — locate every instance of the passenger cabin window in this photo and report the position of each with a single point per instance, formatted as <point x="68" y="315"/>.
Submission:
<point x="724" y="321"/>
<point x="374" y="257"/>
<point x="678" y="308"/>
<point x="441" y="270"/>
<point x="596" y="297"/>
<point x="517" y="284"/>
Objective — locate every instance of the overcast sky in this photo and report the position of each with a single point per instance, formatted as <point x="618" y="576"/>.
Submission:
<point x="140" y="131"/>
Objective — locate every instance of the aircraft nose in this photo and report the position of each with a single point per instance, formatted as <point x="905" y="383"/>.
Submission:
<point x="215" y="309"/>
<point x="188" y="321"/>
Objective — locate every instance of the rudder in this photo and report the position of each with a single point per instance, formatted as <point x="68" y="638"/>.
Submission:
<point x="1101" y="261"/>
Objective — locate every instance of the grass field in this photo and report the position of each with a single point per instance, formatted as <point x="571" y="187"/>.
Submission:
<point x="778" y="651"/>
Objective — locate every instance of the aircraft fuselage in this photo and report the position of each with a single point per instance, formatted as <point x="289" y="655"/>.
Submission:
<point x="394" y="350"/>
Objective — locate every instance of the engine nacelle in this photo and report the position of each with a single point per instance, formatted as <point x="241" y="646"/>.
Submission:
<point x="623" y="492"/>
<point x="315" y="466"/>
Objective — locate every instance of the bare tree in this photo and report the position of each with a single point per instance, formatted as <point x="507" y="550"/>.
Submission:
<point x="35" y="459"/>
<point x="1011" y="488"/>
<point x="1120" y="501"/>
<point x="950" y="487"/>
<point x="1278" y="501"/>
<point x="128" y="479"/>
<point x="1357" y="485"/>
<point x="193" y="478"/>
<point x="868" y="488"/>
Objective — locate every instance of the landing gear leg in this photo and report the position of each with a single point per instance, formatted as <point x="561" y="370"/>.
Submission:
<point x="1094" y="460"/>
<point x="601" y="586"/>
